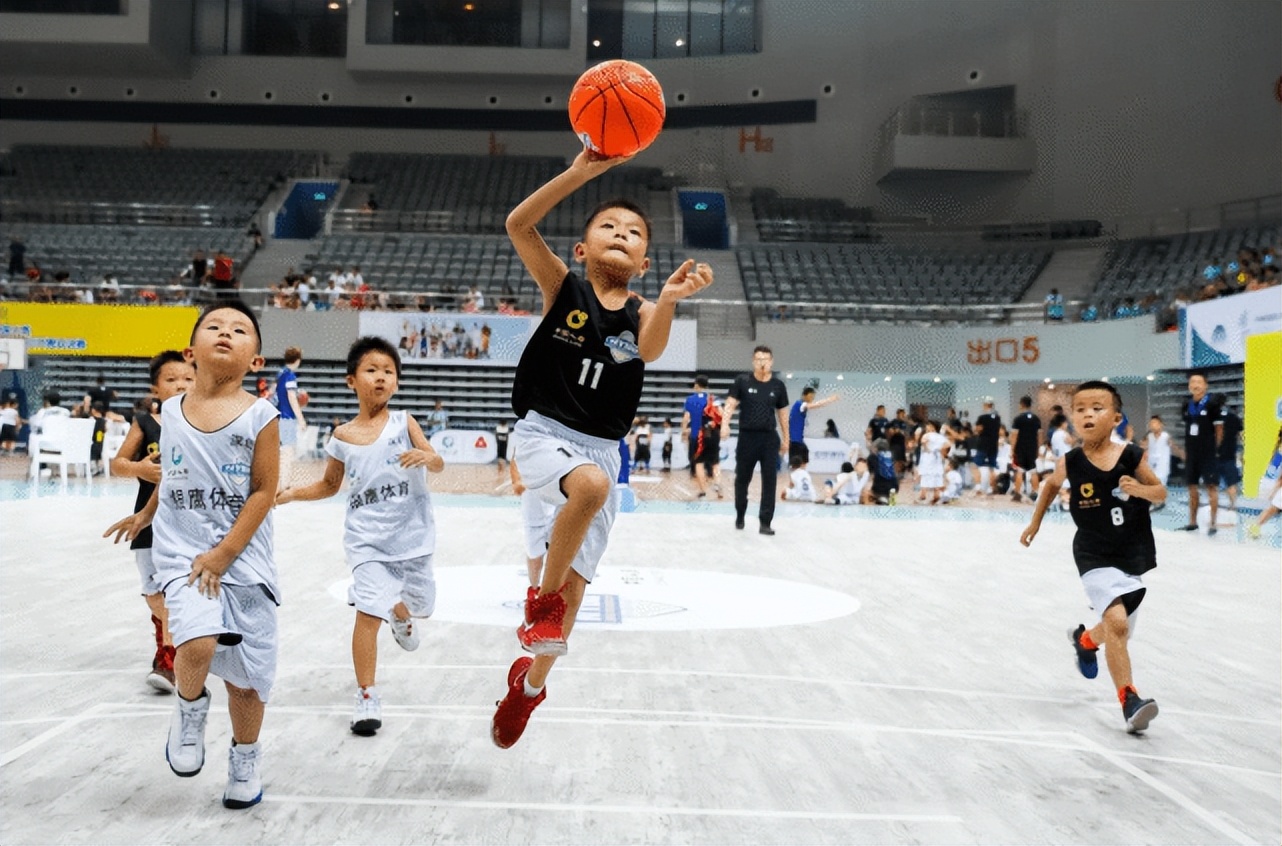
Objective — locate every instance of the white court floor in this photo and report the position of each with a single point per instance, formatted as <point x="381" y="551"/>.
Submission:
<point x="875" y="681"/>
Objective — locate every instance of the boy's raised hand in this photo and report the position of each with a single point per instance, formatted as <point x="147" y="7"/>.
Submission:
<point x="689" y="278"/>
<point x="595" y="163"/>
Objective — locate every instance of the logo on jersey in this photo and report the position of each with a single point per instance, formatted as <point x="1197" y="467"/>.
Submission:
<point x="237" y="471"/>
<point x="1088" y="490"/>
<point x="623" y="347"/>
<point x="175" y="456"/>
<point x="576" y="319"/>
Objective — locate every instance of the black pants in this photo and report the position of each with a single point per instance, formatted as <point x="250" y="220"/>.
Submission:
<point x="754" y="448"/>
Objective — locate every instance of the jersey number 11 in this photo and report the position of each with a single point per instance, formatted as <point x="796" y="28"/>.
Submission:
<point x="596" y="373"/>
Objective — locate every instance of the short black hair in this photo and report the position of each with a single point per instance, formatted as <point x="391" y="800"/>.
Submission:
<point x="158" y="363"/>
<point x="52" y="397"/>
<point x="796" y="461"/>
<point x="368" y="344"/>
<point x="619" y="203"/>
<point x="701" y="381"/>
<point x="1025" y="402"/>
<point x="235" y="305"/>
<point x="762" y="348"/>
<point x="807" y="391"/>
<point x="1096" y="385"/>
<point x="1201" y="373"/>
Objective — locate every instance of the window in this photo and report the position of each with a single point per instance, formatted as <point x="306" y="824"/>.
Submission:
<point x="469" y="23"/>
<point x="295" y="27"/>
<point x="668" y="29"/>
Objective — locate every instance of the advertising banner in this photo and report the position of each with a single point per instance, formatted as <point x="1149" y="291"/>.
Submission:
<point x="1214" y="333"/>
<point x="73" y="329"/>
<point x="451" y="337"/>
<point x="1263" y="413"/>
<point x="465" y="446"/>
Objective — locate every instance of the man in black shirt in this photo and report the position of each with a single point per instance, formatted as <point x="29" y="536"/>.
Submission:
<point x="1227" y="457"/>
<point x="100" y="393"/>
<point x="877" y="426"/>
<point x="1203" y="432"/>
<point x="764" y="401"/>
<point x="1025" y="438"/>
<point x="987" y="427"/>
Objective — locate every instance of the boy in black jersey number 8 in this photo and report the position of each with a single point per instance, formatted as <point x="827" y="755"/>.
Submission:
<point x="1111" y="486"/>
<point x="576" y="390"/>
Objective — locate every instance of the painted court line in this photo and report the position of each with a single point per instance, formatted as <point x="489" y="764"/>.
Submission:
<point x="44" y="737"/>
<point x="1207" y="818"/>
<point x="640" y="810"/>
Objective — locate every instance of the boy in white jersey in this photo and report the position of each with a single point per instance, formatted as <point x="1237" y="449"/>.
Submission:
<point x="390" y="534"/>
<point x="212" y="544"/>
<point x="801" y="487"/>
<point x="851" y="487"/>
<point x="139" y="456"/>
<point x="1158" y="449"/>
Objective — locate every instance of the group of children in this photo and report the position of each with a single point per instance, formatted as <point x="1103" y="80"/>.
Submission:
<point x="208" y="464"/>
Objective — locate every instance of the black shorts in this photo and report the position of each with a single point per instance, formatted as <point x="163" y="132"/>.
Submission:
<point x="710" y="455"/>
<point x="1201" y="470"/>
<point x="8" y="433"/>
<point x="1229" y="475"/>
<point x="798" y="448"/>
<point x="1026" y="459"/>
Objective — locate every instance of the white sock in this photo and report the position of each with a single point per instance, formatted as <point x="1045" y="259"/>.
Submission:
<point x="984" y="479"/>
<point x="530" y="690"/>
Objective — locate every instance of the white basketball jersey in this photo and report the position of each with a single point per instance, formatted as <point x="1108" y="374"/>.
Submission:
<point x="389" y="509"/>
<point x="204" y="484"/>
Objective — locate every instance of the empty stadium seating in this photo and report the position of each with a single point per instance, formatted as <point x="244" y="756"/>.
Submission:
<point x="1161" y="266"/>
<point x="136" y="185"/>
<point x="811" y="274"/>
<point x="804" y="219"/>
<point x="471" y="194"/>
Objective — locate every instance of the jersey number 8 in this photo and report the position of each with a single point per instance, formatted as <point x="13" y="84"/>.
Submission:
<point x="1117" y="515"/>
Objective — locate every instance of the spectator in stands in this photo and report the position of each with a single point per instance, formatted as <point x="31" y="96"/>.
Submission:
<point x="1090" y="314"/>
<point x="100" y="393"/>
<point x="176" y="293"/>
<point x="830" y="429"/>
<point x="223" y="278"/>
<point x="1230" y="442"/>
<point x="1054" y="308"/>
<point x="17" y="262"/>
<point x="109" y="289"/>
<point x="438" y="419"/>
<point x="303" y="290"/>
<point x="877" y="426"/>
<point x="51" y="407"/>
<point x="370" y="205"/>
<point x="256" y="235"/>
<point x="63" y="290"/>
<point x="199" y="271"/>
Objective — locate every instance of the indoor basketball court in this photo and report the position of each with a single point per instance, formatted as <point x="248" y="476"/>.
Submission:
<point x="856" y="678"/>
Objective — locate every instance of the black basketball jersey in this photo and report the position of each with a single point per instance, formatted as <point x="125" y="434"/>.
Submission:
<point x="1111" y="531"/>
<point x="150" y="446"/>
<point x="582" y="367"/>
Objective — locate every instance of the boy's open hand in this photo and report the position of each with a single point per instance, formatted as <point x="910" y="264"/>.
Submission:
<point x="126" y="529"/>
<point x="207" y="572"/>
<point x="689" y="279"/>
<point x="595" y="163"/>
<point x="416" y="458"/>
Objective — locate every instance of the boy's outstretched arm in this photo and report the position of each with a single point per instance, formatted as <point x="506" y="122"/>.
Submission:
<point x="328" y="485"/>
<point x="656" y="318"/>
<point x="544" y="265"/>
<point x="1049" y="490"/>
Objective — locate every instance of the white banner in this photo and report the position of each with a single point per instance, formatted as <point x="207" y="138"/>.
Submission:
<point x="1214" y="333"/>
<point x="465" y="446"/>
<point x="826" y="454"/>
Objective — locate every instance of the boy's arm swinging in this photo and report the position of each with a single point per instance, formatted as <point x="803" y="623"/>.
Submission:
<point x="1046" y="495"/>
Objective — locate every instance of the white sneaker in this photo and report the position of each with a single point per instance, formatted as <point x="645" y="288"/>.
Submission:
<point x="403" y="631"/>
<point x="185" y="750"/>
<point x="244" y="784"/>
<point x="368" y="717"/>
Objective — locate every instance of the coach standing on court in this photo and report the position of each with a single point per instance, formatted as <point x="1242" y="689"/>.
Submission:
<point x="764" y="400"/>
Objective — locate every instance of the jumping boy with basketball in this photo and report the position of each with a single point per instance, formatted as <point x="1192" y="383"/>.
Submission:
<point x="212" y="544"/>
<point x="1111" y="487"/>
<point x="576" y="390"/>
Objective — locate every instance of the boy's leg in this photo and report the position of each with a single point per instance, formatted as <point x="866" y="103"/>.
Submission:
<point x="575" y="588"/>
<point x="1112" y="632"/>
<point x="185" y="746"/>
<point x="534" y="568"/>
<point x="586" y="490"/>
<point x="191" y="666"/>
<point x="156" y="602"/>
<point x="244" y="784"/>
<point x="1193" y="505"/>
<point x="1213" y="499"/>
<point x="365" y="647"/>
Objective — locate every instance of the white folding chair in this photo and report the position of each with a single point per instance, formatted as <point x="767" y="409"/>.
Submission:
<point x="63" y="441"/>
<point x="113" y="439"/>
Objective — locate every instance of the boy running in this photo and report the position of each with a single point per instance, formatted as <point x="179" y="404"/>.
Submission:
<point x="1110" y="488"/>
<point x="212" y="544"/>
<point x="577" y="388"/>
<point x="390" y="534"/>
<point x="139" y="456"/>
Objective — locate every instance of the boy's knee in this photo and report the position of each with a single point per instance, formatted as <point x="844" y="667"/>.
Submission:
<point x="1116" y="625"/>
<point x="588" y="485"/>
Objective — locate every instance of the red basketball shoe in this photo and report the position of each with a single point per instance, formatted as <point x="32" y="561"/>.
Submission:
<point x="515" y="709"/>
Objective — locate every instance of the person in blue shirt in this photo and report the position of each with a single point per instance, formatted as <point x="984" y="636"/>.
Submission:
<point x="797" y="423"/>
<point x="292" y="422"/>
<point x="692" y="417"/>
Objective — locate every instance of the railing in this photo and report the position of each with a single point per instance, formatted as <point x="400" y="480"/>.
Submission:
<point x="955" y="123"/>
<point x="356" y="220"/>
<point x="1249" y="212"/>
<point x="130" y="214"/>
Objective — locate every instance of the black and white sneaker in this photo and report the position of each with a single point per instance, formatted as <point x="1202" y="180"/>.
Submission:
<point x="1138" y="712"/>
<point x="1087" y="664"/>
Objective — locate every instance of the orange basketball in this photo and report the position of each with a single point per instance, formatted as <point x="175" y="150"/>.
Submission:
<point x="303" y="399"/>
<point x="617" y="108"/>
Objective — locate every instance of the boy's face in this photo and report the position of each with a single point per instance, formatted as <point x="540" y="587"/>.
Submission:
<point x="175" y="378"/>
<point x="1094" y="416"/>
<point x="1155" y="426"/>
<point x="225" y="342"/>
<point x="1197" y="386"/>
<point x="615" y="242"/>
<point x="375" y="380"/>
